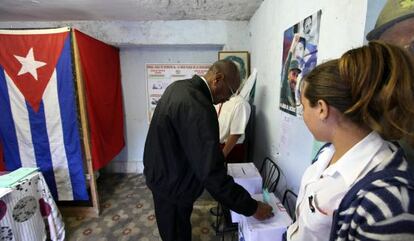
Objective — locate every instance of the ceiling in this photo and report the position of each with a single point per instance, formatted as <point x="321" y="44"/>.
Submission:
<point x="126" y="10"/>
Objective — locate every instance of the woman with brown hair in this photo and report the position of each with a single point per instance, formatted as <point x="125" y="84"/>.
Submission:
<point x="359" y="187"/>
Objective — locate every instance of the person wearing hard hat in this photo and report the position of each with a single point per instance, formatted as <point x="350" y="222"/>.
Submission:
<point x="293" y="74"/>
<point x="290" y="73"/>
<point x="395" y="25"/>
<point x="289" y="86"/>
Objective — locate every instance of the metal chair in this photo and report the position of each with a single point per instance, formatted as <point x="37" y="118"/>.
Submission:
<point x="289" y="200"/>
<point x="270" y="173"/>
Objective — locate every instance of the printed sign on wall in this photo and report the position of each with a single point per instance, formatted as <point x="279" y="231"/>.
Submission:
<point x="160" y="76"/>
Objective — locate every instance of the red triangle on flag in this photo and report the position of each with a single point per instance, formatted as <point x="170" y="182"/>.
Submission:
<point x="29" y="60"/>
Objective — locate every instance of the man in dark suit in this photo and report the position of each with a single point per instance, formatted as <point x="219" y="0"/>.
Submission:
<point x="182" y="154"/>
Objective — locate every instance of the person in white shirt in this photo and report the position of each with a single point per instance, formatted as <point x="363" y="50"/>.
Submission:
<point x="233" y="117"/>
<point x="358" y="103"/>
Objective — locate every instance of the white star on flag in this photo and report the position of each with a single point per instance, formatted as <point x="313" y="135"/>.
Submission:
<point x="29" y="64"/>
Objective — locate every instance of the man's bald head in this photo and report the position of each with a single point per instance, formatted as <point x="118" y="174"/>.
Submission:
<point x="230" y="71"/>
<point x="223" y="79"/>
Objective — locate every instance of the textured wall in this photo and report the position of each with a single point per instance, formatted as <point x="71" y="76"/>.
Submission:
<point x="231" y="34"/>
<point x="342" y="27"/>
<point x="127" y="10"/>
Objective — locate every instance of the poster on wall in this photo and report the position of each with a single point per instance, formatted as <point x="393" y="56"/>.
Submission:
<point x="300" y="49"/>
<point x="160" y="76"/>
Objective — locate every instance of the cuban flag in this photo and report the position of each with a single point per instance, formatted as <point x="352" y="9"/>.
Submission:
<point x="38" y="113"/>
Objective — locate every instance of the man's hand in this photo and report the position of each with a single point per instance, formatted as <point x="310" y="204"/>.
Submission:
<point x="263" y="211"/>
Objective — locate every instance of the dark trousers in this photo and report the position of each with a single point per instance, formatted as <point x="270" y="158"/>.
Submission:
<point x="237" y="154"/>
<point x="173" y="219"/>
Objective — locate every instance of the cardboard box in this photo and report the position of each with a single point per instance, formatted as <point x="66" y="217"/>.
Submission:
<point x="251" y="229"/>
<point x="247" y="176"/>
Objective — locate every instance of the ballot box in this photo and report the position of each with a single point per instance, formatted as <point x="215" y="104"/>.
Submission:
<point x="247" y="176"/>
<point x="251" y="229"/>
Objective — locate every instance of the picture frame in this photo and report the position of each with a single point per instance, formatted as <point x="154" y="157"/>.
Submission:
<point x="240" y="58"/>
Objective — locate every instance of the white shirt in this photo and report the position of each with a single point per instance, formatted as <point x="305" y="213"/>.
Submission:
<point x="233" y="117"/>
<point x="322" y="188"/>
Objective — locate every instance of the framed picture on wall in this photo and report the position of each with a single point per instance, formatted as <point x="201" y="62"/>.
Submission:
<point x="240" y="58"/>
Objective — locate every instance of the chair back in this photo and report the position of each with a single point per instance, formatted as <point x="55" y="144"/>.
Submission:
<point x="289" y="201"/>
<point x="270" y="173"/>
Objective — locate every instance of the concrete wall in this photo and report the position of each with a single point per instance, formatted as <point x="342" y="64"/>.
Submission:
<point x="342" y="27"/>
<point x="231" y="34"/>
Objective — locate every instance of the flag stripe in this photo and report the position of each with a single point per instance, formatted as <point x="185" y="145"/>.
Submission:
<point x="70" y="125"/>
<point x="55" y="134"/>
<point x="22" y="126"/>
<point x="8" y="130"/>
<point x="41" y="145"/>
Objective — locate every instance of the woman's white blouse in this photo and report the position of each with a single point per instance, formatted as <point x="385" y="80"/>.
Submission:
<point x="322" y="188"/>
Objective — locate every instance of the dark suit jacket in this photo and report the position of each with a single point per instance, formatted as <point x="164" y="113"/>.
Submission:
<point x="182" y="154"/>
